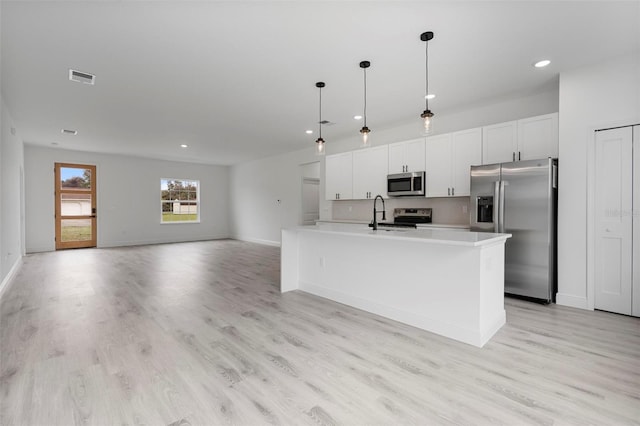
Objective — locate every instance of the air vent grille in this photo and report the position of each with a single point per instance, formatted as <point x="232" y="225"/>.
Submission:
<point x="82" y="77"/>
<point x="69" y="132"/>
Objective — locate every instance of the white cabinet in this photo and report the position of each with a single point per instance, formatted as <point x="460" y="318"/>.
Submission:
<point x="407" y="156"/>
<point x="339" y="176"/>
<point x="449" y="158"/>
<point x="527" y="139"/>
<point x="538" y="137"/>
<point x="370" y="172"/>
<point x="467" y="152"/>
<point x="438" y="166"/>
<point x="500" y="142"/>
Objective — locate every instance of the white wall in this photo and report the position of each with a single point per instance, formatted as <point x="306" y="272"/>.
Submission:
<point x="11" y="201"/>
<point x="128" y="198"/>
<point x="266" y="195"/>
<point x="595" y="97"/>
<point x="257" y="186"/>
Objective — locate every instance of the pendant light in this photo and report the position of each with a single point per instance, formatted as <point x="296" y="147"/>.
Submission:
<point x="320" y="141"/>
<point x="365" y="130"/>
<point x="427" y="115"/>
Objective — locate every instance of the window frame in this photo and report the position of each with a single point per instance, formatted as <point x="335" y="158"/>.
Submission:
<point x="197" y="201"/>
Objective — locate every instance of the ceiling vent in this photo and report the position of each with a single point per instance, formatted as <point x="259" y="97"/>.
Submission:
<point x="326" y="123"/>
<point x="69" y="132"/>
<point x="82" y="77"/>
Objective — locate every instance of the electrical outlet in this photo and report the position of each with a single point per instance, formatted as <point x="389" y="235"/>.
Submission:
<point x="465" y="209"/>
<point x="350" y="208"/>
<point x="322" y="262"/>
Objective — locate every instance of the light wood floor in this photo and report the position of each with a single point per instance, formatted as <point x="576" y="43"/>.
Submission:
<point x="199" y="334"/>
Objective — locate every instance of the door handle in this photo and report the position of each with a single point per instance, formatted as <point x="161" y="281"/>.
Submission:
<point x="501" y="213"/>
<point x="513" y="156"/>
<point x="496" y="199"/>
<point x="448" y="191"/>
<point x="453" y="191"/>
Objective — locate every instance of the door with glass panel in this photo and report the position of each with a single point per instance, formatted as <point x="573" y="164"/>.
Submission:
<point x="75" y="193"/>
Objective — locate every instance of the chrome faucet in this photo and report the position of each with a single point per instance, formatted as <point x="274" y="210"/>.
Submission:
<point x="375" y="212"/>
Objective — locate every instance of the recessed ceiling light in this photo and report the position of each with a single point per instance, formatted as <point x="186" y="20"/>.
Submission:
<point x="69" y="132"/>
<point x="308" y="132"/>
<point x="429" y="96"/>
<point x="184" y="145"/>
<point x="542" y="63"/>
<point x="357" y="117"/>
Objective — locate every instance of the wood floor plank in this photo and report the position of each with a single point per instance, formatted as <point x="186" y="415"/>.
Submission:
<point x="199" y="334"/>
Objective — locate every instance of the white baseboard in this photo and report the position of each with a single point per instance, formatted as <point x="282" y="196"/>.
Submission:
<point x="111" y="244"/>
<point x="258" y="241"/>
<point x="41" y="249"/>
<point x="572" y="301"/>
<point x="7" y="280"/>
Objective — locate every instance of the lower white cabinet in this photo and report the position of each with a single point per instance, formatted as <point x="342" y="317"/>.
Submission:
<point x="370" y="172"/>
<point x="449" y="158"/>
<point x="339" y="176"/>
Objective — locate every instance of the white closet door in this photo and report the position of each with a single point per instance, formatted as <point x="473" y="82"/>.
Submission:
<point x="635" y="309"/>
<point x="613" y="204"/>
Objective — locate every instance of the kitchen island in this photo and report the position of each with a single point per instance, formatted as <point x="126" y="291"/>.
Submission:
<point x="447" y="282"/>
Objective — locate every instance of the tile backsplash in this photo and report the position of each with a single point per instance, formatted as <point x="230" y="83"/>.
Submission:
<point x="446" y="211"/>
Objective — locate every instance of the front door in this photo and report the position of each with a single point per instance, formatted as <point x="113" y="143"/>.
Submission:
<point x="75" y="192"/>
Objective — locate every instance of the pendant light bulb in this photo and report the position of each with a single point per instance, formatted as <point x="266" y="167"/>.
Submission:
<point x="320" y="141"/>
<point x="427" y="120"/>
<point x="365" y="137"/>
<point x="427" y="116"/>
<point x="366" y="142"/>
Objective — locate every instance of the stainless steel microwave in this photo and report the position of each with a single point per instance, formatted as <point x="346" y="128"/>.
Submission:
<point x="403" y="184"/>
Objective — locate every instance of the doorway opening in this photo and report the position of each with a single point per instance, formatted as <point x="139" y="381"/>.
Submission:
<point x="75" y="205"/>
<point x="310" y="178"/>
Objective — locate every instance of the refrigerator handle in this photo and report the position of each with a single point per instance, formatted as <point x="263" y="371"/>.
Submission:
<point x="501" y="206"/>
<point x="496" y="198"/>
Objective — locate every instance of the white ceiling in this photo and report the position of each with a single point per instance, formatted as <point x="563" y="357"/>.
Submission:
<point x="236" y="80"/>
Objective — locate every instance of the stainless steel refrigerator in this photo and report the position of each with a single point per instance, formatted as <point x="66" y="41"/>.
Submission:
<point x="520" y="198"/>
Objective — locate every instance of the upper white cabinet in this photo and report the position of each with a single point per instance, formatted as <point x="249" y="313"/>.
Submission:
<point x="438" y="166"/>
<point x="448" y="161"/>
<point x="447" y="158"/>
<point x="526" y="139"/>
<point x="467" y="152"/>
<point x="538" y="137"/>
<point x="500" y="142"/>
<point x="339" y="176"/>
<point x="407" y="156"/>
<point x="370" y="172"/>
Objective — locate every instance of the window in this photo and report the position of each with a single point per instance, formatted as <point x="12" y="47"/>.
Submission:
<point x="180" y="200"/>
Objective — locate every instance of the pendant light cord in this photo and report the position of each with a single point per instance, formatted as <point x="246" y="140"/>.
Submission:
<point x="365" y="96"/>
<point x="320" y="115"/>
<point x="426" y="75"/>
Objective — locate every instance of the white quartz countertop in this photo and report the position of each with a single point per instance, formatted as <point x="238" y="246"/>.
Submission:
<point x="419" y="225"/>
<point x="426" y="235"/>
